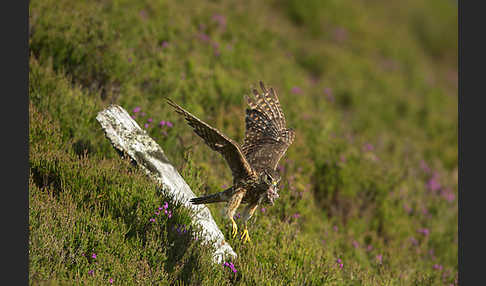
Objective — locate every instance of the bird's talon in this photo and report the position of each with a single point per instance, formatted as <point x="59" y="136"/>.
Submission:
<point x="235" y="229"/>
<point x="245" y="236"/>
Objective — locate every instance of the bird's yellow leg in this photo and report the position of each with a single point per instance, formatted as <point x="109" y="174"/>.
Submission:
<point x="245" y="236"/>
<point x="235" y="228"/>
<point x="247" y="213"/>
<point x="231" y="207"/>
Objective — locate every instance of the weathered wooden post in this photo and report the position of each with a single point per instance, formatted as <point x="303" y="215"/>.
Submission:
<point x="126" y="136"/>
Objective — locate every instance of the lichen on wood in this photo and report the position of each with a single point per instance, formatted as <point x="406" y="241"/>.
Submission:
<point x="128" y="138"/>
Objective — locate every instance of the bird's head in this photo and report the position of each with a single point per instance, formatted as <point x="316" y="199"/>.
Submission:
<point x="270" y="179"/>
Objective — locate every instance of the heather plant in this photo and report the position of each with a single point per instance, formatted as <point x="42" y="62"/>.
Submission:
<point x="369" y="187"/>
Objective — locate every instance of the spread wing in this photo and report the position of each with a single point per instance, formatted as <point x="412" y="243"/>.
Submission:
<point x="218" y="142"/>
<point x="266" y="138"/>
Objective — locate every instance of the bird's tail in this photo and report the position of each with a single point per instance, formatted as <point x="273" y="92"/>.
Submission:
<point x="214" y="198"/>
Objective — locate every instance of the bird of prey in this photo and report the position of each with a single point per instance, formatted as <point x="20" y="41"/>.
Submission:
<point x="253" y="164"/>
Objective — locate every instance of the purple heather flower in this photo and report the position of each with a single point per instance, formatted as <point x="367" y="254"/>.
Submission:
<point x="407" y="208"/>
<point x="296" y="90"/>
<point x="424" y="166"/>
<point x="111" y="280"/>
<point x="169" y="124"/>
<point x="340" y="263"/>
<point x="355" y="244"/>
<point x="203" y="37"/>
<point x="165" y="44"/>
<point x="296" y="215"/>
<point x="152" y="220"/>
<point x="162" y="123"/>
<point x="314" y="80"/>
<point x="231" y="266"/>
<point x="306" y="116"/>
<point x="438" y="267"/>
<point x="263" y="210"/>
<point x="91" y="272"/>
<point x="169" y="214"/>
<point x="413" y="240"/>
<point x="379" y="257"/>
<point x="424" y="231"/>
<point x="335" y="228"/>
<point x="425" y="211"/>
<point x="224" y="186"/>
<point x="390" y="64"/>
<point x="215" y="45"/>
<point x="328" y="93"/>
<point x="166" y="205"/>
<point x="143" y="113"/>
<point x="146" y="125"/>
<point x="137" y="109"/>
<point x="369" y="247"/>
<point x="307" y="187"/>
<point x="342" y="158"/>
<point x="448" y="194"/>
<point x="220" y="19"/>
<point x="368" y="147"/>
<point x="433" y="184"/>
<point x="143" y="14"/>
<point x="149" y="120"/>
<point x="129" y="60"/>
<point x="157" y="213"/>
<point x="93" y="255"/>
<point x="340" y="34"/>
<point x="133" y="116"/>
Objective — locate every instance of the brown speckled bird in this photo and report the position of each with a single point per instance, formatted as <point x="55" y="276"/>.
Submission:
<point x="254" y="164"/>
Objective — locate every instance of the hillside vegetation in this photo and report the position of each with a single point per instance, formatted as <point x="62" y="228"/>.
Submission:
<point x="369" y="187"/>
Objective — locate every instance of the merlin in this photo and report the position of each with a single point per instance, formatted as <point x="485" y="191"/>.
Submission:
<point x="253" y="164"/>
